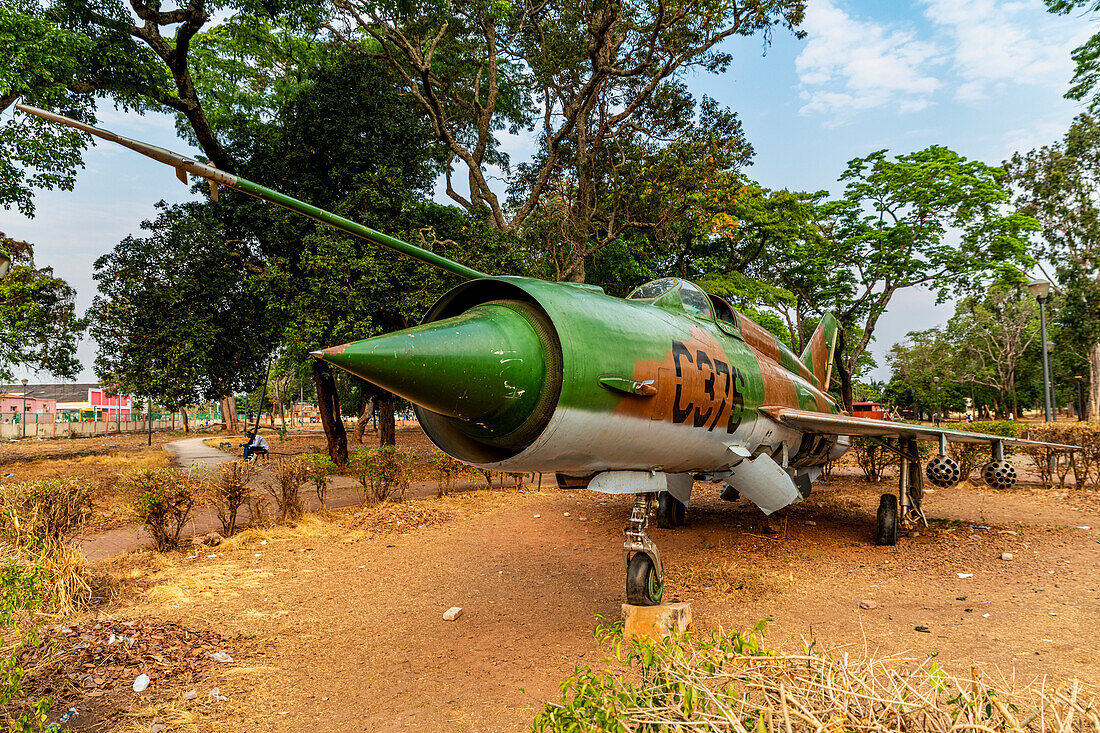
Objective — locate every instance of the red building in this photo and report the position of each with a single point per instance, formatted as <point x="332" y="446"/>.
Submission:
<point x="872" y="410"/>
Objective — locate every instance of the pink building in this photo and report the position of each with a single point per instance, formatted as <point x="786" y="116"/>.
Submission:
<point x="110" y="406"/>
<point x="36" y="409"/>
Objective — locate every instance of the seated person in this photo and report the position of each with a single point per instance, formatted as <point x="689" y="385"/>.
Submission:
<point x="256" y="444"/>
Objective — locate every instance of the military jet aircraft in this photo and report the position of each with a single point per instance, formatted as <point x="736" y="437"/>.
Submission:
<point x="643" y="395"/>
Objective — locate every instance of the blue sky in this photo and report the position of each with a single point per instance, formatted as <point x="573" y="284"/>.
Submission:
<point x="983" y="77"/>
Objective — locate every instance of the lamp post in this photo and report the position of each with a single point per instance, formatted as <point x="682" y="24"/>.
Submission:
<point x="5" y="263"/>
<point x="1040" y="289"/>
<point x="23" y="417"/>
<point x="936" y="417"/>
<point x="1080" y="398"/>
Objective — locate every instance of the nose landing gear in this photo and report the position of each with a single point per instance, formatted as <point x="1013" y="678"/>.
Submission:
<point x="645" y="576"/>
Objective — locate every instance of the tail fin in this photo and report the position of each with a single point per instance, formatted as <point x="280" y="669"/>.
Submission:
<point x="820" y="351"/>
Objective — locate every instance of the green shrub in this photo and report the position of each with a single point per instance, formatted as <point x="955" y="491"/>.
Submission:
<point x="289" y="474"/>
<point x="871" y="457"/>
<point x="319" y="467"/>
<point x="447" y="469"/>
<point x="230" y="491"/>
<point x="21" y="598"/>
<point x="383" y="473"/>
<point x="165" y="498"/>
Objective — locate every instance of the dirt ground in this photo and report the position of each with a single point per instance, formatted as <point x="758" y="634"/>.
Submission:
<point x="342" y="627"/>
<point x="337" y="623"/>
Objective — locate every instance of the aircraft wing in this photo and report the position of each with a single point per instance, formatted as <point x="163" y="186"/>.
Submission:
<point x="819" y="422"/>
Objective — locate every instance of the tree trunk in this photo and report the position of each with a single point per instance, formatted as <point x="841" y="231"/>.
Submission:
<point x="229" y="415"/>
<point x="387" y="429"/>
<point x="183" y="414"/>
<point x="328" y="404"/>
<point x="364" y="419"/>
<point x="842" y="371"/>
<point x="1094" y="382"/>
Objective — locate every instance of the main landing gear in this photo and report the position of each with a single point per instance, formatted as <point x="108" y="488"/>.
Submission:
<point x="644" y="573"/>
<point x="905" y="508"/>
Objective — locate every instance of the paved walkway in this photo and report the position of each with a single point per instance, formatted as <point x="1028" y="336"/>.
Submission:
<point x="194" y="453"/>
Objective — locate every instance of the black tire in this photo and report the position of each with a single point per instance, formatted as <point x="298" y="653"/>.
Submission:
<point x="643" y="587"/>
<point x="670" y="512"/>
<point x="886" y="524"/>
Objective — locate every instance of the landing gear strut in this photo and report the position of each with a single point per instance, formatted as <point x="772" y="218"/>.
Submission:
<point x="645" y="576"/>
<point x="904" y="509"/>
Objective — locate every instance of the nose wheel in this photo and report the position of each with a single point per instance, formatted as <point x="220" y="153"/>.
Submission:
<point x="644" y="573"/>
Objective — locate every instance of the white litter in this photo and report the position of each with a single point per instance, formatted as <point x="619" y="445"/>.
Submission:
<point x="965" y="575"/>
<point x="452" y="613"/>
<point x="985" y="615"/>
<point x="141" y="682"/>
<point x="537" y="516"/>
<point x="190" y="694"/>
<point x="220" y="657"/>
<point x="217" y="696"/>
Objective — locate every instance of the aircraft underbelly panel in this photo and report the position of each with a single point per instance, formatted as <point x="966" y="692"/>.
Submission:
<point x="764" y="483"/>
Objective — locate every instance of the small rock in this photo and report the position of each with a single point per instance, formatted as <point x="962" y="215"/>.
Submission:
<point x="969" y="610"/>
<point x="537" y="516"/>
<point x="923" y="629"/>
<point x="452" y="613"/>
<point x="156" y="726"/>
<point x="868" y="605"/>
<point x="811" y="523"/>
<point x="566" y="514"/>
<point x="961" y="598"/>
<point x="1006" y="555"/>
<point x="190" y="694"/>
<point x="141" y="683"/>
<point x="220" y="657"/>
<point x="965" y="575"/>
<point x="768" y="529"/>
<point x="914" y="533"/>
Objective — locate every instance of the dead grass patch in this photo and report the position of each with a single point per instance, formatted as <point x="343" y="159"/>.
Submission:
<point x="723" y="577"/>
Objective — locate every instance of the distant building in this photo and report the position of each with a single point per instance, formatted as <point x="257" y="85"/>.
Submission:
<point x="72" y="401"/>
<point x="13" y="405"/>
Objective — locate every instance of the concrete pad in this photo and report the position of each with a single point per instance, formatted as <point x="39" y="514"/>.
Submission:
<point x="656" y="621"/>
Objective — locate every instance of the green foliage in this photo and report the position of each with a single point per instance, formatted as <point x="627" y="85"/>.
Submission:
<point x="319" y="467"/>
<point x="603" y="701"/>
<point x="180" y="314"/>
<point x="383" y="473"/>
<point x="39" y="328"/>
<point x="229" y="491"/>
<point x="21" y="596"/>
<point x="447" y="470"/>
<point x="1086" y="57"/>
<point x="871" y="457"/>
<point x="165" y="498"/>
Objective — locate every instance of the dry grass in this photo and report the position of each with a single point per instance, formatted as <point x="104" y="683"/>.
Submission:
<point x="730" y="683"/>
<point x="727" y="577"/>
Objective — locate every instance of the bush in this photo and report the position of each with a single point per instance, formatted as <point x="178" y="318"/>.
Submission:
<point x="165" y="499"/>
<point x="871" y="457"/>
<point x="447" y="469"/>
<point x="289" y="474"/>
<point x="383" y="473"/>
<point x="34" y="512"/>
<point x="21" y="598"/>
<point x="230" y="491"/>
<point x="319" y="467"/>
<point x="1084" y="463"/>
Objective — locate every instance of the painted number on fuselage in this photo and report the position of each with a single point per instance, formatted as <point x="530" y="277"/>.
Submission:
<point x="722" y="384"/>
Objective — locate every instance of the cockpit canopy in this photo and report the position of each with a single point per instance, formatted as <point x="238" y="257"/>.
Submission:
<point x="672" y="291"/>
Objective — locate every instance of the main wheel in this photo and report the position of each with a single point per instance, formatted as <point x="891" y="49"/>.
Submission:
<point x="886" y="524"/>
<point x="643" y="587"/>
<point x="670" y="512"/>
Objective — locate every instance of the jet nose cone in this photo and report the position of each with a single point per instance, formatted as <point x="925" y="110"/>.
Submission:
<point x="490" y="367"/>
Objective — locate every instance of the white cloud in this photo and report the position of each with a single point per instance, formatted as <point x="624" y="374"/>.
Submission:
<point x="855" y="64"/>
<point x="995" y="42"/>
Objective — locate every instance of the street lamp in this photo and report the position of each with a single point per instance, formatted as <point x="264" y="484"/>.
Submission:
<point x="23" y="417"/>
<point x="5" y="263"/>
<point x="936" y="417"/>
<point x="1080" y="398"/>
<point x="1040" y="289"/>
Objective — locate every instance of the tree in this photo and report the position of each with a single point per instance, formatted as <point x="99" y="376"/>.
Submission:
<point x="1059" y="185"/>
<point x="69" y="54"/>
<point x="39" y="328"/>
<point x="180" y="315"/>
<point x="1086" y="76"/>
<point x="893" y="229"/>
<point x="590" y="76"/>
<point x="993" y="333"/>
